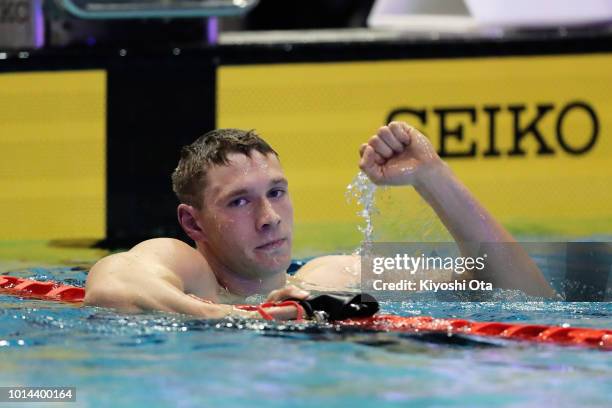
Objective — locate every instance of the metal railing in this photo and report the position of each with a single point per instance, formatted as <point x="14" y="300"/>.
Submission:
<point x="124" y="9"/>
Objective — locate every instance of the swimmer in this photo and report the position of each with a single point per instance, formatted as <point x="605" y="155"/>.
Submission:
<point x="235" y="205"/>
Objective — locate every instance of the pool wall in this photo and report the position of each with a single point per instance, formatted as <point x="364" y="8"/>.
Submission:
<point x="523" y="120"/>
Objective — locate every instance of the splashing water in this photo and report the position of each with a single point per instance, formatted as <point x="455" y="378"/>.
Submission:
<point x="363" y="190"/>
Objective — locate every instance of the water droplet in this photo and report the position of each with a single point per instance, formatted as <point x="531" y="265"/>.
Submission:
<point x="363" y="190"/>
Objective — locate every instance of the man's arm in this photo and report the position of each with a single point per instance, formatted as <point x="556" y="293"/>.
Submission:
<point x="152" y="275"/>
<point x="401" y="155"/>
<point x="132" y="284"/>
<point x="508" y="265"/>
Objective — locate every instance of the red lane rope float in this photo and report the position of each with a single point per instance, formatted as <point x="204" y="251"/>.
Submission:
<point x="564" y="336"/>
<point x="41" y="290"/>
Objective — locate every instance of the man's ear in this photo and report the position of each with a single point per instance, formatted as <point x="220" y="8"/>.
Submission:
<point x="188" y="218"/>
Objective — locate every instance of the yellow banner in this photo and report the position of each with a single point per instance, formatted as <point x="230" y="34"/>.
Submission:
<point x="530" y="136"/>
<point x="52" y="172"/>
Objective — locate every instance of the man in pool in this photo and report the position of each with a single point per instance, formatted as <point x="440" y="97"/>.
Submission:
<point x="235" y="206"/>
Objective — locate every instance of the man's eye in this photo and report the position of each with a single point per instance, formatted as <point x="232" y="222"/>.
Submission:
<point x="277" y="193"/>
<point x="239" y="202"/>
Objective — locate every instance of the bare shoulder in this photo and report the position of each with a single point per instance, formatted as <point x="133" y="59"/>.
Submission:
<point x="331" y="261"/>
<point x="165" y="249"/>
<point x="168" y="251"/>
<point x="155" y="255"/>
<point x="150" y="262"/>
<point x="108" y="281"/>
<point x="332" y="271"/>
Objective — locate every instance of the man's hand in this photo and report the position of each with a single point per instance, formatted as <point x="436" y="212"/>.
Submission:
<point x="288" y="292"/>
<point x="397" y="155"/>
<point x="278" y="295"/>
<point x="278" y="313"/>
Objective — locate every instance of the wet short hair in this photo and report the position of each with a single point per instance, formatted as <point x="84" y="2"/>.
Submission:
<point x="210" y="149"/>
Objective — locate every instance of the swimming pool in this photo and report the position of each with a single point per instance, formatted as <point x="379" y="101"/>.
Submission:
<point x="160" y="360"/>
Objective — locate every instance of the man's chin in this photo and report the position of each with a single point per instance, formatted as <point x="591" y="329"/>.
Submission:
<point x="274" y="265"/>
<point x="274" y="260"/>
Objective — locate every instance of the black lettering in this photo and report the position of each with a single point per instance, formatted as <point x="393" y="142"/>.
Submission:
<point x="522" y="128"/>
<point x="595" y="125"/>
<point x="491" y="112"/>
<point x="456" y="132"/>
<point x="419" y="113"/>
<point x="519" y="134"/>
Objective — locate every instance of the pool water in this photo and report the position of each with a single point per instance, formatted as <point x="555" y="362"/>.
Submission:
<point x="165" y="360"/>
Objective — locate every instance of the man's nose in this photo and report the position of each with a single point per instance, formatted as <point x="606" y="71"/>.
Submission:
<point x="267" y="218"/>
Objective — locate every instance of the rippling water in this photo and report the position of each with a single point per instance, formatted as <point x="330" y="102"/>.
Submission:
<point x="161" y="360"/>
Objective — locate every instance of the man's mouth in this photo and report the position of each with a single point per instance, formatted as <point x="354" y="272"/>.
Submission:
<point x="272" y="245"/>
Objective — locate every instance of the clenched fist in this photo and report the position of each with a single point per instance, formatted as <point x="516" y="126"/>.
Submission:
<point x="397" y="155"/>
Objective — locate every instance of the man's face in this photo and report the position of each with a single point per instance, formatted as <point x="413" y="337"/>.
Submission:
<point x="247" y="216"/>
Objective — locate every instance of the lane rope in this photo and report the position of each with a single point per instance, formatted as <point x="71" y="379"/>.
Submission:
<point x="545" y="334"/>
